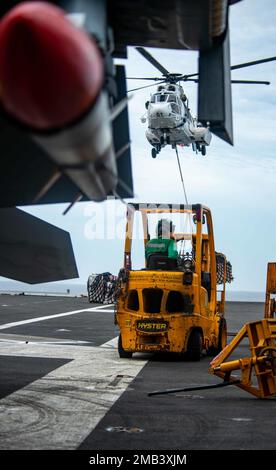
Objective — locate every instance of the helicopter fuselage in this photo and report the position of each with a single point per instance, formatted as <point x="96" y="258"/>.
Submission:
<point x="170" y="121"/>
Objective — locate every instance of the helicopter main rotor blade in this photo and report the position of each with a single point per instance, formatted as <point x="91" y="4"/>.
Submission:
<point x="153" y="61"/>
<point x="250" y="82"/>
<point x="190" y="79"/>
<point x="145" y="78"/>
<point x="147" y="86"/>
<point x="254" y="62"/>
<point x="238" y="66"/>
<point x="184" y="78"/>
<point x="254" y="82"/>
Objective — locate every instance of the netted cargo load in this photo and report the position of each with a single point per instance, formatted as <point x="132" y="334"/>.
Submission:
<point x="101" y="288"/>
<point x="224" y="269"/>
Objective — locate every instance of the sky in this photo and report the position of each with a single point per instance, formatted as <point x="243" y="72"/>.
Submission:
<point x="237" y="183"/>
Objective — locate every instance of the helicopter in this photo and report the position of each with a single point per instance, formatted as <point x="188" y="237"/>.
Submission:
<point x="170" y="121"/>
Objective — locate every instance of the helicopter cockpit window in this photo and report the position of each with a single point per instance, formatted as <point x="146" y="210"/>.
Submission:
<point x="175" y="108"/>
<point x="172" y="99"/>
<point x="162" y="98"/>
<point x="159" y="98"/>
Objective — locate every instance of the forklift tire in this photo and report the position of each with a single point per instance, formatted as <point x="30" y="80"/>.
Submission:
<point x="194" y="348"/>
<point x="222" y="339"/>
<point x="122" y="352"/>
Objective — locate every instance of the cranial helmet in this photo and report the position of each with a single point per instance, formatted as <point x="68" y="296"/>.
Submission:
<point x="164" y="227"/>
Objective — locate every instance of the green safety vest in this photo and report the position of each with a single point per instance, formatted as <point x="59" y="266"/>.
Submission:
<point x="162" y="245"/>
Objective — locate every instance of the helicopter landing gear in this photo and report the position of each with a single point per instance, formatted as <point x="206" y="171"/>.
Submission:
<point x="154" y="152"/>
<point x="200" y="148"/>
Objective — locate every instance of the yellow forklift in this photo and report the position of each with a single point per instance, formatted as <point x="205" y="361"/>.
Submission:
<point x="171" y="305"/>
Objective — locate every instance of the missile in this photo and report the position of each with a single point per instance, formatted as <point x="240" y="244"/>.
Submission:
<point x="52" y="85"/>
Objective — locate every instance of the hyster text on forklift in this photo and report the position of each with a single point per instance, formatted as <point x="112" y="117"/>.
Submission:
<point x="171" y="304"/>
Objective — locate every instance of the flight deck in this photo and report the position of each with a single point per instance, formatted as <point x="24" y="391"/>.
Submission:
<point x="63" y="385"/>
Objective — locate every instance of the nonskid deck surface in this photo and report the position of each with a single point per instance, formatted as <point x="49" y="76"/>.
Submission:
<point x="63" y="386"/>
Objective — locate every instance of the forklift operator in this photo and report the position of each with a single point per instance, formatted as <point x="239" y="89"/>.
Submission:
<point x="165" y="243"/>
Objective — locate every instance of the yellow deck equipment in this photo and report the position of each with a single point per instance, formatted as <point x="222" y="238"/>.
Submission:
<point x="173" y="309"/>
<point x="257" y="371"/>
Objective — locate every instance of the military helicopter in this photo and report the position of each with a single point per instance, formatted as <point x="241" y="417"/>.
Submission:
<point x="170" y="121"/>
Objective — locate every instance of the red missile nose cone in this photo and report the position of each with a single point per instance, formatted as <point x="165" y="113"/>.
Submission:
<point x="50" y="71"/>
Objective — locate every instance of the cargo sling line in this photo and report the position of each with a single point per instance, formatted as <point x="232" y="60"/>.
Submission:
<point x="184" y="191"/>
<point x="182" y="246"/>
<point x="181" y="176"/>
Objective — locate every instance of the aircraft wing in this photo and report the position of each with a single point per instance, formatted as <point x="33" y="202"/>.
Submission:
<point x="178" y="24"/>
<point x="34" y="251"/>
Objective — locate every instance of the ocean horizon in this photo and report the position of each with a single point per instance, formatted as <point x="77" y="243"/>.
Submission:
<point x="71" y="289"/>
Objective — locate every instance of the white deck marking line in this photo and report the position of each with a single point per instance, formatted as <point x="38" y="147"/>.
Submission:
<point x="112" y="343"/>
<point x="104" y="311"/>
<point x="59" y="410"/>
<point x="104" y="306"/>
<point x="58" y="341"/>
<point x="49" y="317"/>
